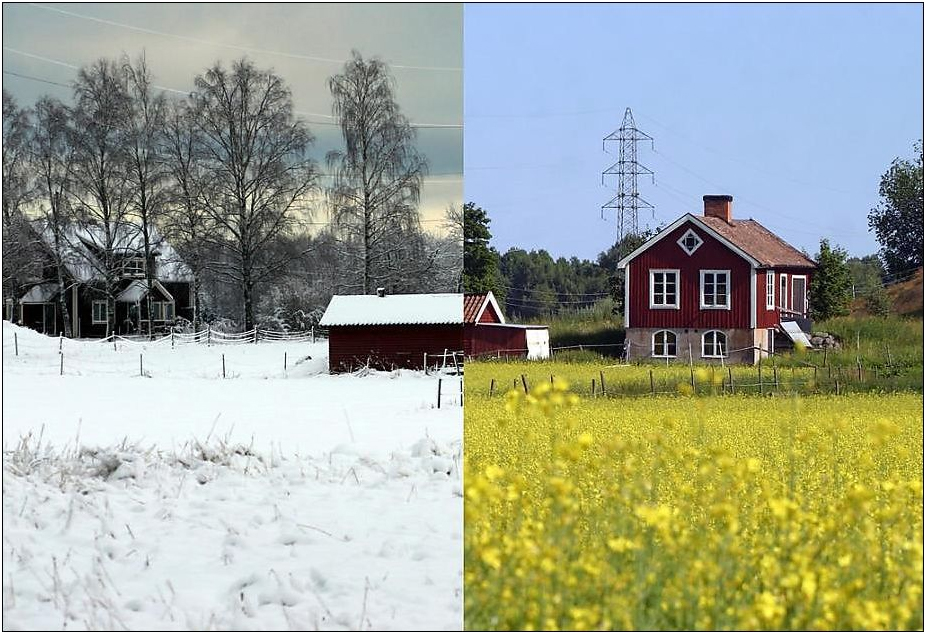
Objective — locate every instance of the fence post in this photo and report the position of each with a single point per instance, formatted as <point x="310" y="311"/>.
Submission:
<point x="171" y="337"/>
<point x="284" y="361"/>
<point x="141" y="364"/>
<point x="461" y="392"/>
<point x="60" y="342"/>
<point x="312" y="332"/>
<point x="16" y="343"/>
<point x="603" y="389"/>
<point x="492" y="388"/>
<point x="61" y="372"/>
<point x="223" y="365"/>
<point x="859" y="363"/>
<point x="424" y="364"/>
<point x="593" y="388"/>
<point x="439" y="380"/>
<point x="825" y="349"/>
<point x="524" y="383"/>
<point x="208" y="334"/>
<point x="256" y="330"/>
<point x="761" y="387"/>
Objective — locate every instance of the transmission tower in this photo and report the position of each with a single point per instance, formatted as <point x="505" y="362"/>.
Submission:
<point x="627" y="200"/>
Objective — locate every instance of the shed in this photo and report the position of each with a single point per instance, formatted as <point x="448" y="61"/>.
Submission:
<point x="487" y="333"/>
<point x="392" y="331"/>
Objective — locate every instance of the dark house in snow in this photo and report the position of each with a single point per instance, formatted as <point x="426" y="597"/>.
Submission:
<point x="486" y="333"/>
<point x="392" y="331"/>
<point x="86" y="296"/>
<point x="714" y="288"/>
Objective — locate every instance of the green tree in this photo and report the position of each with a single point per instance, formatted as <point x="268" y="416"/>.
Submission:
<point x="480" y="260"/>
<point x="831" y="287"/>
<point x="608" y="261"/>
<point x="898" y="219"/>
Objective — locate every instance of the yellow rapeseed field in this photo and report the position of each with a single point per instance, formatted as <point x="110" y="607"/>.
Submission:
<point x="720" y="512"/>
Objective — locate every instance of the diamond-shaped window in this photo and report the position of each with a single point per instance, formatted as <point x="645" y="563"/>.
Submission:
<point x="690" y="242"/>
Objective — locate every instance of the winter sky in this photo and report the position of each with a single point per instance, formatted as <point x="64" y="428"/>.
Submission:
<point x="304" y="43"/>
<point x="795" y="110"/>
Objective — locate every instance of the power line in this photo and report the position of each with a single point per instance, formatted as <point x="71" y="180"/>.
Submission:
<point x="188" y="92"/>
<point x="250" y="49"/>
<point x="44" y="81"/>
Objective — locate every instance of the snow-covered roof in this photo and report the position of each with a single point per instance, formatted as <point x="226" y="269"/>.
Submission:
<point x="40" y="293"/>
<point x="133" y="293"/>
<point x="82" y="244"/>
<point x="373" y="310"/>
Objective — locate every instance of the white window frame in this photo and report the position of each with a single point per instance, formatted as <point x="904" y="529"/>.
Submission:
<point x="783" y="291"/>
<point x="652" y="289"/>
<point x="804" y="309"/>
<point x="770" y="290"/>
<point x="134" y="267"/>
<point x="724" y="348"/>
<point x="681" y="241"/>
<point x="93" y="306"/>
<point x="665" y="344"/>
<point x="715" y="273"/>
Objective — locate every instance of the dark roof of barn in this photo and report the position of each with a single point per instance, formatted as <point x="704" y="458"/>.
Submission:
<point x="472" y="302"/>
<point x="759" y="242"/>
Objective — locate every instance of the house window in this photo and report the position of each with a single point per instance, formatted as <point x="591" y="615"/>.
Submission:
<point x="690" y="242"/>
<point x="770" y="290"/>
<point x="783" y="294"/>
<point x="663" y="285"/>
<point x="162" y="311"/>
<point x="100" y="311"/>
<point x="799" y="294"/>
<point x="714" y="344"/>
<point x="134" y="267"/>
<point x="664" y="344"/>
<point x="715" y="289"/>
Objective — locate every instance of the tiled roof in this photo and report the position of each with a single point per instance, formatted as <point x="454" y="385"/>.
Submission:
<point x="759" y="242"/>
<point x="372" y="310"/>
<point x="472" y="302"/>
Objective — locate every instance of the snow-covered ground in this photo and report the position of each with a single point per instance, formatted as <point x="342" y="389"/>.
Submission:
<point x="154" y="494"/>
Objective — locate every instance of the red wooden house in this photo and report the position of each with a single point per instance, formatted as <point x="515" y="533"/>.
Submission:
<point x="486" y="333"/>
<point x="392" y="331"/>
<point x="713" y="288"/>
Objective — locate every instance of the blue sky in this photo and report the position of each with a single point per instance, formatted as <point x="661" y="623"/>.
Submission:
<point x="795" y="110"/>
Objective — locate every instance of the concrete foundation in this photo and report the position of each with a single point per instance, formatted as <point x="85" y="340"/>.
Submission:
<point x="743" y="345"/>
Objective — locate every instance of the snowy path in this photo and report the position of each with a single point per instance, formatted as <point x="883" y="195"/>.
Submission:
<point x="314" y="501"/>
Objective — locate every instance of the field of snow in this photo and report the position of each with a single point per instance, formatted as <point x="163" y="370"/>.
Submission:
<point x="143" y="490"/>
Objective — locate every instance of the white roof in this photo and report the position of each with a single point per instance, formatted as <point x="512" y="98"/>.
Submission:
<point x="795" y="333"/>
<point x="372" y="310"/>
<point x="133" y="293"/>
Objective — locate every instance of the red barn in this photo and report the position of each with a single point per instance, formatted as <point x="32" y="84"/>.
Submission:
<point x="713" y="287"/>
<point x="486" y="333"/>
<point x="392" y="331"/>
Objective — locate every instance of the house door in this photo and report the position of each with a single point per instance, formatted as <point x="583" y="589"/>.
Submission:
<point x="799" y="294"/>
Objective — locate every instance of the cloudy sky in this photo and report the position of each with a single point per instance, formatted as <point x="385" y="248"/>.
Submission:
<point x="795" y="110"/>
<point x="304" y="43"/>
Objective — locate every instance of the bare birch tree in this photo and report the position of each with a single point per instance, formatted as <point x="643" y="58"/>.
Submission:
<point x="258" y="174"/>
<point x="100" y="185"/>
<point x="147" y="179"/>
<point x="186" y="222"/>
<point x="377" y="177"/>
<point x="17" y="191"/>
<point x="52" y="155"/>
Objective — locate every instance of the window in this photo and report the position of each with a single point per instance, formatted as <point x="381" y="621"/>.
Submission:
<point x="664" y="344"/>
<point x="100" y="311"/>
<point x="783" y="294"/>
<point x="799" y="293"/>
<point x="714" y="344"/>
<point x="770" y="290"/>
<point x="162" y="311"/>
<point x="134" y="267"/>
<point x="690" y="242"/>
<point x="663" y="285"/>
<point x="715" y="289"/>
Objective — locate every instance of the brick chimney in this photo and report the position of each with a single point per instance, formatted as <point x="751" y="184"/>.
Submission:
<point x="719" y="207"/>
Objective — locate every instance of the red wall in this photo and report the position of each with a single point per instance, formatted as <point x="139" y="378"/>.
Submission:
<point x="388" y="347"/>
<point x="712" y="254"/>
<point x="489" y="316"/>
<point x="485" y="340"/>
<point x="771" y="318"/>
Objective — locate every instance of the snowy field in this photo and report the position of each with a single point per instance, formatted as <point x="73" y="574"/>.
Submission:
<point x="151" y="493"/>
